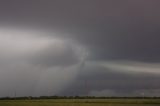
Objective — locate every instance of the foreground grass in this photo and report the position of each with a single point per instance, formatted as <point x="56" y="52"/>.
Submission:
<point x="82" y="102"/>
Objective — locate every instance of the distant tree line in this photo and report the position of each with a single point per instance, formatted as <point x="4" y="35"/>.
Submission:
<point x="72" y="97"/>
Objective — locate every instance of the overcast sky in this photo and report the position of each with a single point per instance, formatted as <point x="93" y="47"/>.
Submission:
<point x="79" y="47"/>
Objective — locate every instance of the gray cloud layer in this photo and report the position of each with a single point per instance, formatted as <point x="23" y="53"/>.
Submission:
<point x="56" y="47"/>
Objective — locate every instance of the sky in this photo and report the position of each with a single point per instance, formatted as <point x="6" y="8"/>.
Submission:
<point x="79" y="47"/>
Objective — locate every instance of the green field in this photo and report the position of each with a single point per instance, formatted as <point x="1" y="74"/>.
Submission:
<point x="82" y="102"/>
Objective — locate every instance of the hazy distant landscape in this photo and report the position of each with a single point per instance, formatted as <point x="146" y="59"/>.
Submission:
<point x="82" y="102"/>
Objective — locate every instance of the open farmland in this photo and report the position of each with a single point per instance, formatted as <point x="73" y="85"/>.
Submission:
<point x="82" y="102"/>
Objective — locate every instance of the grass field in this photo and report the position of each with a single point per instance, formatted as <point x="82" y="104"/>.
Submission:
<point x="82" y="102"/>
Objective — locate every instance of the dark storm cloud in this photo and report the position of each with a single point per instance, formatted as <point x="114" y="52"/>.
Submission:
<point x="105" y="82"/>
<point x="109" y="30"/>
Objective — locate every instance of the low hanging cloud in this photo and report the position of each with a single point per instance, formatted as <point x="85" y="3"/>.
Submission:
<point x="114" y="78"/>
<point x="132" y="93"/>
<point x="35" y="64"/>
<point x="133" y="67"/>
